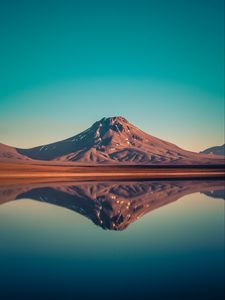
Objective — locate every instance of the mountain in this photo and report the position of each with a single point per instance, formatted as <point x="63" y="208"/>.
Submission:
<point x="115" y="141"/>
<point x="11" y="154"/>
<point x="111" y="205"/>
<point x="217" y="150"/>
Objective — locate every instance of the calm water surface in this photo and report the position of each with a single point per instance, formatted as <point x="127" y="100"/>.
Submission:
<point x="112" y="240"/>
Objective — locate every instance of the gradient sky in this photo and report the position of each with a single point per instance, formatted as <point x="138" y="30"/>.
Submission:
<point x="66" y="64"/>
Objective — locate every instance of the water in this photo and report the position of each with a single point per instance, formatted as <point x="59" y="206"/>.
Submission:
<point x="112" y="240"/>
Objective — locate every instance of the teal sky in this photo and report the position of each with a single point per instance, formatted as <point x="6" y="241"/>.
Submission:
<point x="65" y="64"/>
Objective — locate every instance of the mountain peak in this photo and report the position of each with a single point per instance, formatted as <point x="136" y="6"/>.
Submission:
<point x="112" y="120"/>
<point x="109" y="125"/>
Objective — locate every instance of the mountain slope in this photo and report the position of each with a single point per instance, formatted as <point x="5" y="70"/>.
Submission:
<point x="116" y="141"/>
<point x="11" y="153"/>
<point x="217" y="150"/>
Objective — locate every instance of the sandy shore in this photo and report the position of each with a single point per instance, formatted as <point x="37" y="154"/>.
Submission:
<point x="16" y="170"/>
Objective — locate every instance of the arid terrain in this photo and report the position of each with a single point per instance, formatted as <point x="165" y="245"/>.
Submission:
<point x="110" y="148"/>
<point x="45" y="170"/>
<point x="110" y="141"/>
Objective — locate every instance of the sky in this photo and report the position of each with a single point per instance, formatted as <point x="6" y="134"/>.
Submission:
<point x="65" y="64"/>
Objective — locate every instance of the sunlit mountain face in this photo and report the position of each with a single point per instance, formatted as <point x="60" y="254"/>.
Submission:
<point x="111" y="140"/>
<point x="111" y="205"/>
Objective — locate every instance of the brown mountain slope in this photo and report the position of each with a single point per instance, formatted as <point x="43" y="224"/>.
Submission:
<point x="116" y="141"/>
<point x="8" y="153"/>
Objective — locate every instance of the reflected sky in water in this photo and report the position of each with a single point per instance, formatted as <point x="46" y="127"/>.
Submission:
<point x="115" y="240"/>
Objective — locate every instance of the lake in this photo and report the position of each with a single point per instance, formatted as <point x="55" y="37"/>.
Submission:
<point x="152" y="239"/>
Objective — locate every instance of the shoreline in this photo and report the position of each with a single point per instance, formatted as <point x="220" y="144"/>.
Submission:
<point x="133" y="174"/>
<point x="104" y="172"/>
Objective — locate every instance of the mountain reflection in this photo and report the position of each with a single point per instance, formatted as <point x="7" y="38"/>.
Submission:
<point x="111" y="205"/>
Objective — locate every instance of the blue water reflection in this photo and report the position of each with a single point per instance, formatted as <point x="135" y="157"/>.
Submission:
<point x="161" y="239"/>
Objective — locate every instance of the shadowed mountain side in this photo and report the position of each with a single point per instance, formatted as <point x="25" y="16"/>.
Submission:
<point x="217" y="150"/>
<point x="218" y="194"/>
<point x="111" y="205"/>
<point x="116" y="141"/>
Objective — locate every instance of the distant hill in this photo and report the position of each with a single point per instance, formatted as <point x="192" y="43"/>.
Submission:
<point x="8" y="153"/>
<point x="217" y="150"/>
<point x="111" y="141"/>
